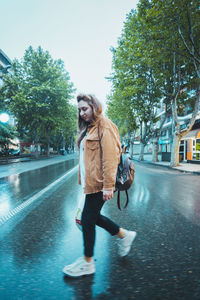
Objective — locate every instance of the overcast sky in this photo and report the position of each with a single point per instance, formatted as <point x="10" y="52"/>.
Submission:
<point x="80" y="32"/>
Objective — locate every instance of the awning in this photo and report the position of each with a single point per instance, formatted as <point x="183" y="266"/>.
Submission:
<point x="193" y="134"/>
<point x="164" y="142"/>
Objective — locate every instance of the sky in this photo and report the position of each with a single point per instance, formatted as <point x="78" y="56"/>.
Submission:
<point x="80" y="32"/>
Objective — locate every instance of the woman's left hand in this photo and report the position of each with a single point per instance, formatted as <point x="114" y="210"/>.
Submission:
<point x="107" y="195"/>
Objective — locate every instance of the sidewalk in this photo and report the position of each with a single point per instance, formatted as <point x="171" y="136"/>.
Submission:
<point x="17" y="166"/>
<point x="183" y="167"/>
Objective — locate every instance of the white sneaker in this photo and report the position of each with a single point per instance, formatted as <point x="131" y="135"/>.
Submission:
<point x="124" y="245"/>
<point x="79" y="268"/>
<point x="68" y="267"/>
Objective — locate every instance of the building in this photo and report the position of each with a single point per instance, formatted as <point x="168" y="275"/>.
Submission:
<point x="5" y="65"/>
<point x="190" y="144"/>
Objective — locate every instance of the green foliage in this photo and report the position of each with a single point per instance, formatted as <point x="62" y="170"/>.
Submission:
<point x="39" y="92"/>
<point x="119" y="111"/>
<point x="157" y="58"/>
<point x="7" y="133"/>
<point x="136" y="90"/>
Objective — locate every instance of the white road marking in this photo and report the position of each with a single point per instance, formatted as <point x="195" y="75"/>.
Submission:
<point x="29" y="201"/>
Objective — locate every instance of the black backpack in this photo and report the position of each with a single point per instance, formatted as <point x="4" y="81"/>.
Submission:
<point x="125" y="175"/>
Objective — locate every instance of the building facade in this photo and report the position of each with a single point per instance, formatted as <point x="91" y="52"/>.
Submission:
<point x="5" y="65"/>
<point x="190" y="144"/>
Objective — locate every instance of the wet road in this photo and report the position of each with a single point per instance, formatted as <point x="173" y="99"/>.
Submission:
<point x="38" y="240"/>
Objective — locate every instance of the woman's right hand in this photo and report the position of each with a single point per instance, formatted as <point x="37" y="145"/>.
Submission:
<point x="107" y="195"/>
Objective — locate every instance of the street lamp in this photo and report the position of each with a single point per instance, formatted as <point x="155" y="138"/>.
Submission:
<point x="4" y="117"/>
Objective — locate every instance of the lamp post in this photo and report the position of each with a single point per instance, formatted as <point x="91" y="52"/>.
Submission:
<point x="4" y="117"/>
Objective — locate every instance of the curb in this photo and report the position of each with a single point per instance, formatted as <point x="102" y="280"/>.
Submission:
<point x="18" y="160"/>
<point x="26" y="159"/>
<point x="168" y="167"/>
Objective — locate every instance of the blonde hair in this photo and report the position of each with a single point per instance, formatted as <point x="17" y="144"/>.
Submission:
<point x="96" y="106"/>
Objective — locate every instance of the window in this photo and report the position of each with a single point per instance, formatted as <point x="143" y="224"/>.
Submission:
<point x="198" y="149"/>
<point x="163" y="133"/>
<point x="181" y="148"/>
<point x="183" y="126"/>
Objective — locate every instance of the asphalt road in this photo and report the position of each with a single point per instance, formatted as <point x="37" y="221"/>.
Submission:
<point x="39" y="238"/>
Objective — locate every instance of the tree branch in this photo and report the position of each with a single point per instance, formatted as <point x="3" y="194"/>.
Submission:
<point x="191" y="34"/>
<point x="186" y="46"/>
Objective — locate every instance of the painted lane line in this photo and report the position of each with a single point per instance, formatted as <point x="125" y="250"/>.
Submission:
<point x="29" y="201"/>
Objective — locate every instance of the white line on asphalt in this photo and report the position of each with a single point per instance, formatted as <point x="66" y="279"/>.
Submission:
<point x="19" y="208"/>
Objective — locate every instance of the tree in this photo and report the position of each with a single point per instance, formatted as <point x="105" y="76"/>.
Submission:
<point x="39" y="92"/>
<point x="69" y="130"/>
<point x="157" y="61"/>
<point x="175" y="32"/>
<point x="133" y="78"/>
<point x="7" y="134"/>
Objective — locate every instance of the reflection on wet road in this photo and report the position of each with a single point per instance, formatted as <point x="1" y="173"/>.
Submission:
<point x="16" y="188"/>
<point x="164" y="262"/>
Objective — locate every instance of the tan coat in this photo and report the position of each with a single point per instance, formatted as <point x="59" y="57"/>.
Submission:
<point x="101" y="168"/>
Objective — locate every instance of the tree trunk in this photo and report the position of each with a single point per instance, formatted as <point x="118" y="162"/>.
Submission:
<point x="131" y="143"/>
<point x="48" y="149"/>
<point x="155" y="149"/>
<point x="48" y="144"/>
<point x="131" y="148"/>
<point x="141" y="156"/>
<point x="63" y="142"/>
<point x="175" y="150"/>
<point x="36" y="146"/>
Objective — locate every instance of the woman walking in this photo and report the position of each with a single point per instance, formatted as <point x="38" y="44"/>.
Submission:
<point x="99" y="156"/>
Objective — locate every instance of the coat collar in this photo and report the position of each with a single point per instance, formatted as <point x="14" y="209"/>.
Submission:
<point x="95" y="122"/>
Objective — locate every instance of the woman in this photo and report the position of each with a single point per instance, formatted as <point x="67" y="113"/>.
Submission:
<point x="99" y="145"/>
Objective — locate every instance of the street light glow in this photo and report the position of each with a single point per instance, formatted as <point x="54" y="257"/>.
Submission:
<point x="4" y="117"/>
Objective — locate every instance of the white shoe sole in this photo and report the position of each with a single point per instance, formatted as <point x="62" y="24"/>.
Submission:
<point x="71" y="274"/>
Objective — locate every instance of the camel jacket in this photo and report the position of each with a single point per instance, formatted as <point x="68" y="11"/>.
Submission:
<point x="102" y="150"/>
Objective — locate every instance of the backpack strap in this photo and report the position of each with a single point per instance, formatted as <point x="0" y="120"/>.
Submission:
<point x="100" y="146"/>
<point x="118" y="194"/>
<point x="118" y="200"/>
<point x="99" y="136"/>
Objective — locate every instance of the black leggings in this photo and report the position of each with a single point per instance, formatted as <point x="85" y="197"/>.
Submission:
<point x="90" y="217"/>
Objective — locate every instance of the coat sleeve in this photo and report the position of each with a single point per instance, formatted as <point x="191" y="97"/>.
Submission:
<point x="111" y="149"/>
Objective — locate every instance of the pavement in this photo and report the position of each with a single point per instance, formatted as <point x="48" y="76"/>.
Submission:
<point x="23" y="164"/>
<point x="183" y="167"/>
<point x="41" y="238"/>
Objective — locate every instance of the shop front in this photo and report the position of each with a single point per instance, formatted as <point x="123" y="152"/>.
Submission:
<point x="165" y="149"/>
<point x="191" y="143"/>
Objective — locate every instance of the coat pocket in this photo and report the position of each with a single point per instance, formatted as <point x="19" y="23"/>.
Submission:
<point x="92" y="144"/>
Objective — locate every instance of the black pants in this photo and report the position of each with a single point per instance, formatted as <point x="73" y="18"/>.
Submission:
<point x="90" y="217"/>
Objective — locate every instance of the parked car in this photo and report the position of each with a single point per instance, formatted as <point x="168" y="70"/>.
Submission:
<point x="15" y="152"/>
<point x="63" y="152"/>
